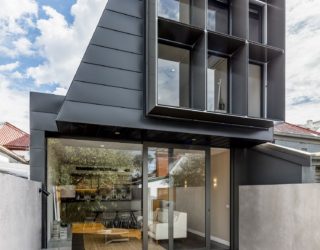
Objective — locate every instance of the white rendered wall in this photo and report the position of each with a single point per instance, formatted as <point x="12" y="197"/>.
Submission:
<point x="279" y="217"/>
<point x="20" y="213"/>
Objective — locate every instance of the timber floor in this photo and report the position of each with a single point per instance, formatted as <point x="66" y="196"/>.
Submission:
<point x="97" y="242"/>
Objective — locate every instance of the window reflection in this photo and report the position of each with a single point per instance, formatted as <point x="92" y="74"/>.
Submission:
<point x="175" y="10"/>
<point x="217" y="84"/>
<point x="173" y="76"/>
<point x="255" y="90"/>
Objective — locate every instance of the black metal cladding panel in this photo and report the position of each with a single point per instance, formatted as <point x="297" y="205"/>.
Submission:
<point x="128" y="7"/>
<point x="43" y="121"/>
<point x="46" y="103"/>
<point x="179" y="32"/>
<point x="266" y="170"/>
<point x="113" y="58"/>
<point x="105" y="95"/>
<point x="109" y="76"/>
<point x="122" y="22"/>
<point x="122" y="117"/>
<point x="118" y="40"/>
<point x="224" y="43"/>
<point x="263" y="53"/>
<point x="210" y="117"/>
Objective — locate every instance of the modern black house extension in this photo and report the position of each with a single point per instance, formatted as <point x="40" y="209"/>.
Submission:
<point x="161" y="124"/>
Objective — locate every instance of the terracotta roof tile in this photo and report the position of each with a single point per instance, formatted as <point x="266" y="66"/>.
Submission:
<point x="289" y="128"/>
<point x="13" y="138"/>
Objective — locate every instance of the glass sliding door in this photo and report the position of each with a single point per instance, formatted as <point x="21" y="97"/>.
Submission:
<point x="176" y="198"/>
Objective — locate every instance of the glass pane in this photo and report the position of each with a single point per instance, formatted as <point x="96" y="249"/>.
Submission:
<point x="220" y="201"/>
<point x="187" y="177"/>
<point x="255" y="23"/>
<point x="177" y="10"/>
<point x="173" y="76"/>
<point x="158" y="198"/>
<point x="254" y="90"/>
<point x="217" y="84"/>
<point x="218" y="16"/>
<point x="96" y="193"/>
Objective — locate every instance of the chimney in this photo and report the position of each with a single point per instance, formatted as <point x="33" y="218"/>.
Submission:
<point x="310" y="124"/>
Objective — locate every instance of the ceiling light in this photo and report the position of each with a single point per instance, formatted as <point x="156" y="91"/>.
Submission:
<point x="193" y="139"/>
<point x="117" y="133"/>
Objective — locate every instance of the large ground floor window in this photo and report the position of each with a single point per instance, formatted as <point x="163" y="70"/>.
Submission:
<point x="97" y="190"/>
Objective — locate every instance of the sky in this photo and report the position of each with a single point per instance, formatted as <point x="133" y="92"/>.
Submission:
<point x="42" y="43"/>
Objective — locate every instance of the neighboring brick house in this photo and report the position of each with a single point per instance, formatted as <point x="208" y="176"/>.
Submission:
<point x="14" y="143"/>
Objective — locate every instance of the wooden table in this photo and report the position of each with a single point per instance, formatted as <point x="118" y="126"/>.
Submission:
<point x="87" y="228"/>
<point x="111" y="234"/>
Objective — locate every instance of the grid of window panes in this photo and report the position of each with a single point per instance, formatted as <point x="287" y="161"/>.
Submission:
<point x="179" y="65"/>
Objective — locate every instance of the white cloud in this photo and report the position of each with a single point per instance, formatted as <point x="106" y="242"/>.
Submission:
<point x="63" y="45"/>
<point x="16" y="104"/>
<point x="60" y="91"/>
<point x="9" y="66"/>
<point x="16" y="17"/>
<point x="303" y="60"/>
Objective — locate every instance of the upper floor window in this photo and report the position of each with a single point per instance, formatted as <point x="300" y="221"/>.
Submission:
<point x="256" y="23"/>
<point x="255" y="90"/>
<point x="218" y="16"/>
<point x="217" y="84"/>
<point x="177" y="10"/>
<point x="173" y="76"/>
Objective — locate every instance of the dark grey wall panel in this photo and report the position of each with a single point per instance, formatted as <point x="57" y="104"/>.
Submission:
<point x="43" y="121"/>
<point x="37" y="174"/>
<point x="113" y="58"/>
<point x="128" y="7"/>
<point x="276" y="23"/>
<point x="151" y="56"/>
<point x="109" y="76"/>
<point x="105" y="95"/>
<point x="118" y="40"/>
<point x="199" y="73"/>
<point x="37" y="139"/>
<point x="239" y="86"/>
<point x="121" y="22"/>
<point x="38" y="157"/>
<point x="276" y="98"/>
<point x="264" y="170"/>
<point x="46" y="103"/>
<point x="240" y="18"/>
<point x="131" y="118"/>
